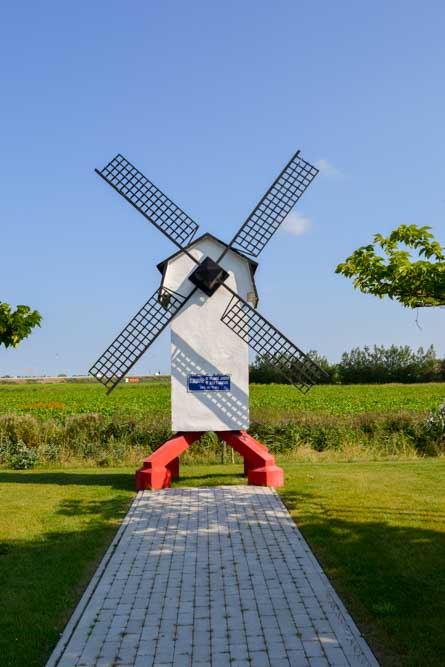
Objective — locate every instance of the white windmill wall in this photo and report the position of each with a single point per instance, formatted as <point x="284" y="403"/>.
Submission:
<point x="202" y="345"/>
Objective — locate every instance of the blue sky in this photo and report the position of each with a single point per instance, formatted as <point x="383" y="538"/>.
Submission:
<point x="210" y="100"/>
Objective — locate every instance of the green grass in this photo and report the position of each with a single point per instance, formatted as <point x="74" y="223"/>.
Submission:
<point x="377" y="528"/>
<point x="379" y="532"/>
<point x="54" y="526"/>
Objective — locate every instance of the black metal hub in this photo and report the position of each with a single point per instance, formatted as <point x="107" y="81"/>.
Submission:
<point x="208" y="276"/>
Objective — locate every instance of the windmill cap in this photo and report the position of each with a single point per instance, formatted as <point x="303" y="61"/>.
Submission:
<point x="252" y="264"/>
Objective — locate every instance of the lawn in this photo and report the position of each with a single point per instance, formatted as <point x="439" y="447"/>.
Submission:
<point x="377" y="528"/>
<point x="53" y="528"/>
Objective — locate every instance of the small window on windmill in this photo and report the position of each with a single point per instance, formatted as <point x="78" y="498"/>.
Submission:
<point x="164" y="299"/>
<point x="251" y="298"/>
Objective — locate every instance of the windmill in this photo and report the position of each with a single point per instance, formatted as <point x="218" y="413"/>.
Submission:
<point x="208" y="297"/>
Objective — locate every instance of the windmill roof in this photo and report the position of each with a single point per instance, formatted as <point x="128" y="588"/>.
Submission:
<point x="252" y="264"/>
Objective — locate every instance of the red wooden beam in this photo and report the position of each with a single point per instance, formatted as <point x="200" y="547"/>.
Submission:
<point x="259" y="465"/>
<point x="162" y="466"/>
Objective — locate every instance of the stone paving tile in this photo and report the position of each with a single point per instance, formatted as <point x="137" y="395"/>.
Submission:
<point x="215" y="577"/>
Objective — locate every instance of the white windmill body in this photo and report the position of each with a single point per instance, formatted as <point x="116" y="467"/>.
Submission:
<point x="209" y="362"/>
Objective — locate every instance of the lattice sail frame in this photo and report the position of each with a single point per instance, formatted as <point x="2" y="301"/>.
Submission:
<point x="273" y="208"/>
<point x="271" y="345"/>
<point x="149" y="200"/>
<point x="142" y="330"/>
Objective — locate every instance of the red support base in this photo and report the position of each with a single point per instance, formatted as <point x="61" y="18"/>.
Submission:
<point x="162" y="466"/>
<point x="259" y="465"/>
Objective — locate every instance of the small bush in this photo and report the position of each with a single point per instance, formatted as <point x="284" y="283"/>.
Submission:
<point x="432" y="437"/>
<point x="22" y="457"/>
<point x="25" y="428"/>
<point x="435" y="424"/>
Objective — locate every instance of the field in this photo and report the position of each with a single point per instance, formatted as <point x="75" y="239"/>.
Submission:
<point x="77" y="423"/>
<point x="59" y="400"/>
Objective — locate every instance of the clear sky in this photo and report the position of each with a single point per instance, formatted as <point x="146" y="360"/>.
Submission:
<point x="209" y="100"/>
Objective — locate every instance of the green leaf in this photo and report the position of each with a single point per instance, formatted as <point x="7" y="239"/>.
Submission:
<point x="17" y="325"/>
<point x="413" y="283"/>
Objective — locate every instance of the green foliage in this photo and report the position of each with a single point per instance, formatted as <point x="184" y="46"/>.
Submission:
<point x="16" y="325"/>
<point x="21" y="457"/>
<point x="261" y="371"/>
<point x="78" y="424"/>
<point x="14" y="452"/>
<point x="366" y="366"/>
<point x="414" y="282"/>
<point x="435" y="427"/>
<point x="393" y="364"/>
<point x="329" y="369"/>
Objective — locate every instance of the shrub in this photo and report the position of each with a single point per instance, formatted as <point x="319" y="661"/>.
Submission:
<point x="22" y="457"/>
<point x="433" y="440"/>
<point x="18" y="428"/>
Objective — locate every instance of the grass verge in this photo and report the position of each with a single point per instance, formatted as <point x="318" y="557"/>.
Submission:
<point x="54" y="527"/>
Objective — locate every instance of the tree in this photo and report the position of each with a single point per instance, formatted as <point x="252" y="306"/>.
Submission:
<point x="329" y="369"/>
<point x="263" y="372"/>
<point x="16" y="325"/>
<point x="413" y="282"/>
<point x="392" y="364"/>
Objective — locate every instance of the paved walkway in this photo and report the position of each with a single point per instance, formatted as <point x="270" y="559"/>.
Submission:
<point x="210" y="577"/>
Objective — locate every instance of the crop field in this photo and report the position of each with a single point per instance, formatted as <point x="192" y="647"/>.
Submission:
<point x="78" y="424"/>
<point x="276" y="401"/>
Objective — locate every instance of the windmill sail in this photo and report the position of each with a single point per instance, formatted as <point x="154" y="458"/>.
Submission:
<point x="273" y="208"/>
<point x="154" y="205"/>
<point x="142" y="330"/>
<point x="271" y="345"/>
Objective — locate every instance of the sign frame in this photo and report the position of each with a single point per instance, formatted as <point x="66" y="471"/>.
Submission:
<point x="215" y="382"/>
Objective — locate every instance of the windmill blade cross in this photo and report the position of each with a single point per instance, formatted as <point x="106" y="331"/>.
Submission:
<point x="273" y="208"/>
<point x="142" y="330"/>
<point x="154" y="205"/>
<point x="271" y="345"/>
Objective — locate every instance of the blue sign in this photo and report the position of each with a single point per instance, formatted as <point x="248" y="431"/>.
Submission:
<point x="208" y="383"/>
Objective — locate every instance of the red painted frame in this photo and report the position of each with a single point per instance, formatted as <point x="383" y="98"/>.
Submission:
<point x="162" y="466"/>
